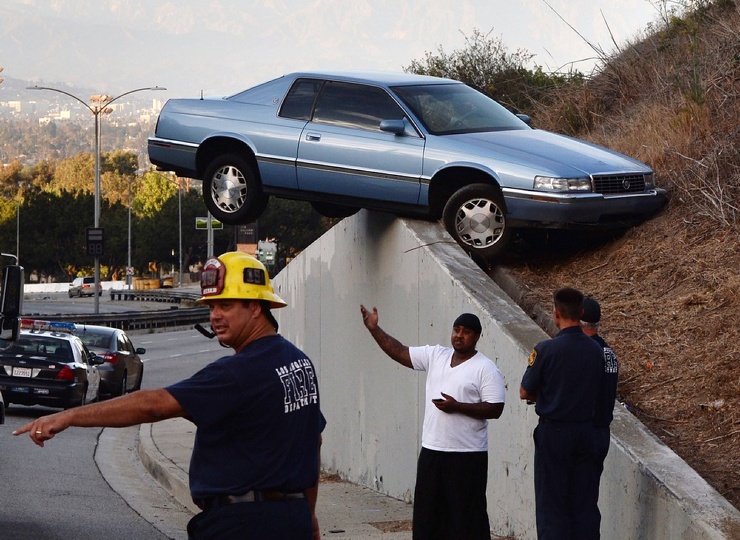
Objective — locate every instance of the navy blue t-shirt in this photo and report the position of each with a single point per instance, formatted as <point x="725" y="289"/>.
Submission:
<point x="605" y="404"/>
<point x="565" y="373"/>
<point x="258" y="420"/>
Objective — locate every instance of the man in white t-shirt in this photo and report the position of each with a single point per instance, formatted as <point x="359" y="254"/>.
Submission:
<point x="464" y="389"/>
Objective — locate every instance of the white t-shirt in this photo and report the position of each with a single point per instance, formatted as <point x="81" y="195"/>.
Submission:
<point x="474" y="381"/>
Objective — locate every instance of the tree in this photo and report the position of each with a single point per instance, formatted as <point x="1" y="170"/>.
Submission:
<point x="52" y="229"/>
<point x="118" y="169"/>
<point x="293" y="234"/>
<point x="486" y="64"/>
<point x="156" y="188"/>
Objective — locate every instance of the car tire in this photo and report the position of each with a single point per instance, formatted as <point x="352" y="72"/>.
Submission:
<point x="475" y="216"/>
<point x="331" y="210"/>
<point x="232" y="192"/>
<point x="122" y="387"/>
<point x="138" y="382"/>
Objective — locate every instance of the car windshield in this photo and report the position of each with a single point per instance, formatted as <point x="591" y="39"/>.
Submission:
<point x="447" y="109"/>
<point x="92" y="339"/>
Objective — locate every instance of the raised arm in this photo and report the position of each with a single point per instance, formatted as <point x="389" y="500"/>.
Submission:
<point x="390" y="345"/>
<point x="128" y="410"/>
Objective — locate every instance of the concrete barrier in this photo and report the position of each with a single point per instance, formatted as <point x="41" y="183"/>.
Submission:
<point x="29" y="288"/>
<point x="420" y="281"/>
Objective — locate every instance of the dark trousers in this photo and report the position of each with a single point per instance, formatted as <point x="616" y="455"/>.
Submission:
<point x="601" y="449"/>
<point x="450" y="496"/>
<point x="283" y="520"/>
<point x="563" y="481"/>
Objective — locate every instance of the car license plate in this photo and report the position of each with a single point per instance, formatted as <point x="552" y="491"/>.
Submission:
<point x="21" y="372"/>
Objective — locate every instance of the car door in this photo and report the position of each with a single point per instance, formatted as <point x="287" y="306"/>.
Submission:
<point x="126" y="354"/>
<point x="343" y="151"/>
<point x="93" y="375"/>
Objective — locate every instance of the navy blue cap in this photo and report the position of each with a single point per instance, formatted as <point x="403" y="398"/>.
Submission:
<point x="469" y="321"/>
<point x="591" y="310"/>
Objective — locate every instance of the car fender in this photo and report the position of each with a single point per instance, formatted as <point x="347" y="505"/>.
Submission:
<point x="452" y="176"/>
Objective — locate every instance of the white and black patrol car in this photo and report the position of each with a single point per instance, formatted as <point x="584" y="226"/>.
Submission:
<point x="48" y="365"/>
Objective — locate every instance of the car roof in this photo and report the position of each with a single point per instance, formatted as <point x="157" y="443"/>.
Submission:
<point x="49" y="334"/>
<point x="94" y="329"/>
<point x="374" y="77"/>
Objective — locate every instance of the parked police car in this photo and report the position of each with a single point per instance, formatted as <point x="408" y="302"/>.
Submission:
<point x="48" y="365"/>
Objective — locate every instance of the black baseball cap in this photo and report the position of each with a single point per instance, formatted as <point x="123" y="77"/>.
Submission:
<point x="469" y="321"/>
<point x="591" y="310"/>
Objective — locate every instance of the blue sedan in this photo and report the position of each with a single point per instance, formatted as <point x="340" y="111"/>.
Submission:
<point x="408" y="144"/>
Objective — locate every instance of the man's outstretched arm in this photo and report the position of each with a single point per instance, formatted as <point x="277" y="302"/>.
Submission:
<point x="131" y="409"/>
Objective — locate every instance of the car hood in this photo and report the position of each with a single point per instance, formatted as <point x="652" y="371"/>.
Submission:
<point x="546" y="152"/>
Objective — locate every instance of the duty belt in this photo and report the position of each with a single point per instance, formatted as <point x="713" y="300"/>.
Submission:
<point x="270" y="495"/>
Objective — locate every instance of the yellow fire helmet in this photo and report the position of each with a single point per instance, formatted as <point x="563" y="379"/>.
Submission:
<point x="237" y="276"/>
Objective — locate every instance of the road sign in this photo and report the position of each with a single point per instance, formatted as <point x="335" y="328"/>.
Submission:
<point x="201" y="223"/>
<point x="95" y="241"/>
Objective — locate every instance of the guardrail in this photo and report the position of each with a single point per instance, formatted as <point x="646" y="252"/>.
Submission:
<point x="154" y="295"/>
<point x="186" y="313"/>
<point x="140" y="320"/>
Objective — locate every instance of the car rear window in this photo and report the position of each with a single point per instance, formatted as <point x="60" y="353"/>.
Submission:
<point x="42" y="346"/>
<point x="300" y="99"/>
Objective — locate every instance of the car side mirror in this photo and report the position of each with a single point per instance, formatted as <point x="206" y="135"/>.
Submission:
<point x="96" y="360"/>
<point x="397" y="127"/>
<point x="525" y="118"/>
<point x="140" y="350"/>
<point x="11" y="302"/>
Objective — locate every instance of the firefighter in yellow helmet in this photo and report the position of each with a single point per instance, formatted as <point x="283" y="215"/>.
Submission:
<point x="238" y="276"/>
<point x="255" y="463"/>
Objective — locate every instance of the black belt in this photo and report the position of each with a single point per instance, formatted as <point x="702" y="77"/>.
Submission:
<point x="270" y="495"/>
<point x="544" y="420"/>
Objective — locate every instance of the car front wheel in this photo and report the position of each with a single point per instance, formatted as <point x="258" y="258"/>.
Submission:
<point x="231" y="191"/>
<point x="475" y="217"/>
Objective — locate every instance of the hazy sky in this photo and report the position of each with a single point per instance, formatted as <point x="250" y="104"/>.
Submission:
<point x="222" y="46"/>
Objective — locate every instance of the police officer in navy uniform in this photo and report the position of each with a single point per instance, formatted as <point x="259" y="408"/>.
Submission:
<point x="605" y="406"/>
<point x="564" y="379"/>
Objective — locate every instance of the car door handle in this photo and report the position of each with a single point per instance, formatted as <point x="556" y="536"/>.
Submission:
<point x="313" y="137"/>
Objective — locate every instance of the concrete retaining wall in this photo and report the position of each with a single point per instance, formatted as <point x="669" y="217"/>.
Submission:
<point x="420" y="281"/>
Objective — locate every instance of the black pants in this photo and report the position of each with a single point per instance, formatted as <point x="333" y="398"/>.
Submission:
<point x="284" y="520"/>
<point x="450" y="496"/>
<point x="563" y="481"/>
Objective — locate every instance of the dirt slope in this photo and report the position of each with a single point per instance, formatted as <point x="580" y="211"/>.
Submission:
<point x="670" y="300"/>
<point x="670" y="288"/>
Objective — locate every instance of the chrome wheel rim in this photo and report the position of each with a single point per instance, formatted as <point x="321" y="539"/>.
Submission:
<point x="228" y="189"/>
<point x="480" y="223"/>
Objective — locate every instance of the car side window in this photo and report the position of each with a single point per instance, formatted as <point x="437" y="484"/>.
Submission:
<point x="124" y="345"/>
<point x="82" y="351"/>
<point x="355" y="106"/>
<point x="300" y="99"/>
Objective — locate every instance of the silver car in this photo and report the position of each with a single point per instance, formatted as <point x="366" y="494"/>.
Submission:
<point x="123" y="369"/>
<point x="408" y="144"/>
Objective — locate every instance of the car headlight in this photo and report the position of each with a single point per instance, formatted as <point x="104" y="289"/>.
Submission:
<point x="649" y="181"/>
<point x="546" y="183"/>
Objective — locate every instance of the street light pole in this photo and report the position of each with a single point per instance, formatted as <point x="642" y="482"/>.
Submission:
<point x="103" y="101"/>
<point x="128" y="258"/>
<point x="179" y="215"/>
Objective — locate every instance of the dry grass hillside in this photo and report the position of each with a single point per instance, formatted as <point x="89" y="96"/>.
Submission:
<point x="670" y="288"/>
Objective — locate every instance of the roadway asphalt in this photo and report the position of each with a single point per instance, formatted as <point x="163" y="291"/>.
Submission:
<point x="344" y="510"/>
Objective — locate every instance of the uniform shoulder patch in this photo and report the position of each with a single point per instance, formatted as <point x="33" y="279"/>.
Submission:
<point x="532" y="357"/>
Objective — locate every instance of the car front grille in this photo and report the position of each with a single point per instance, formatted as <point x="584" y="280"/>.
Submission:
<point x="619" y="184"/>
